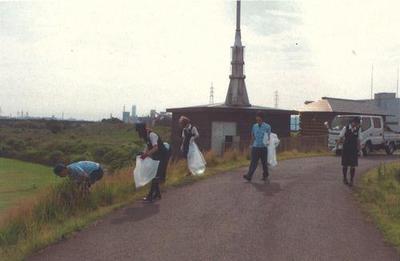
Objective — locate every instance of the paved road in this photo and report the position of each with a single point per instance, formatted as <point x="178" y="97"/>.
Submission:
<point x="305" y="213"/>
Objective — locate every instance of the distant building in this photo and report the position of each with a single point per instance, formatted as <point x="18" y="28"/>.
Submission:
<point x="133" y="114"/>
<point x="126" y="116"/>
<point x="313" y="115"/>
<point x="391" y="104"/>
<point x="228" y="125"/>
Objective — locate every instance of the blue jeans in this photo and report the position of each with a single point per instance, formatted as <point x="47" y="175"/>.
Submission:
<point x="256" y="155"/>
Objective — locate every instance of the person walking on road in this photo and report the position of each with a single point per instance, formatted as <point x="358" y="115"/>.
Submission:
<point x="259" y="150"/>
<point x="156" y="150"/>
<point x="350" y="137"/>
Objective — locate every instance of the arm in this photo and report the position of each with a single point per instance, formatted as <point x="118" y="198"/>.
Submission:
<point x="195" y="133"/>
<point x="154" y="142"/>
<point x="341" y="136"/>
<point x="269" y="132"/>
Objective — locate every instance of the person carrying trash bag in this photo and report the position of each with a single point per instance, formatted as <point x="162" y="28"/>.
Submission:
<point x="83" y="173"/>
<point x="156" y="150"/>
<point x="189" y="148"/>
<point x="350" y="137"/>
<point x="260" y="133"/>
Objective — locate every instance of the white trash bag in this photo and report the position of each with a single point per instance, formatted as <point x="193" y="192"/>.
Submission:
<point x="145" y="171"/>
<point x="272" y="145"/>
<point x="195" y="159"/>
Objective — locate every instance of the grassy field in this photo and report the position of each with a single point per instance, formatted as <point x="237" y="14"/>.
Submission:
<point x="19" y="180"/>
<point x="49" y="142"/>
<point x="379" y="194"/>
<point x="59" y="210"/>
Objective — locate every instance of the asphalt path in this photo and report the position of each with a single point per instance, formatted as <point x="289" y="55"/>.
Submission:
<point x="304" y="213"/>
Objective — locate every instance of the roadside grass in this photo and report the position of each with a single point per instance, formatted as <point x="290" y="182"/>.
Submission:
<point x="19" y="180"/>
<point x="379" y="195"/>
<point x="60" y="210"/>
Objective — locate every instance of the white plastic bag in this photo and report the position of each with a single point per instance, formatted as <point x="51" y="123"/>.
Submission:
<point x="145" y="171"/>
<point x="196" y="161"/>
<point x="273" y="144"/>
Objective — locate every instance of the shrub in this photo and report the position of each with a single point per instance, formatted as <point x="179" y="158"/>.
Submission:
<point x="56" y="157"/>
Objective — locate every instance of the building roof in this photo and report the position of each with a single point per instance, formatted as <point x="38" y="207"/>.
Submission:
<point x="328" y="104"/>
<point x="224" y="107"/>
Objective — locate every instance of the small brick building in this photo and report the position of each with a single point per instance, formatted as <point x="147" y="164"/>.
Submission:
<point x="228" y="124"/>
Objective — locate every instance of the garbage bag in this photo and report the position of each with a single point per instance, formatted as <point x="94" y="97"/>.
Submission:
<point x="145" y="171"/>
<point x="195" y="159"/>
<point x="273" y="144"/>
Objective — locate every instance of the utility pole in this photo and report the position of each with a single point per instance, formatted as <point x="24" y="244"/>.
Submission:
<point x="372" y="81"/>
<point x="397" y="90"/>
<point x="276" y="99"/>
<point x="212" y="94"/>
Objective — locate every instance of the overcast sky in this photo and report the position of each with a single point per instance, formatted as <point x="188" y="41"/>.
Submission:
<point x="89" y="58"/>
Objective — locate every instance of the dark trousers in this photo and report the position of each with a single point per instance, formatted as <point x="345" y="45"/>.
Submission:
<point x="256" y="155"/>
<point x="160" y="176"/>
<point x="154" y="188"/>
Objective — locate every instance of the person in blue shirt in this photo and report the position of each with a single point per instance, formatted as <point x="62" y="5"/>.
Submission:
<point x="258" y="148"/>
<point x="84" y="173"/>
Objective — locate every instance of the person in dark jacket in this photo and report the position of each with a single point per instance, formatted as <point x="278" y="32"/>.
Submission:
<point x="156" y="150"/>
<point x="189" y="135"/>
<point x="350" y="137"/>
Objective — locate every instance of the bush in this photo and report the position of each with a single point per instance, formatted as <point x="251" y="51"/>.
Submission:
<point x="56" y="157"/>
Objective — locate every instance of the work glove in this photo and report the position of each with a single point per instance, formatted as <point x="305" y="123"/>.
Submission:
<point x="144" y="156"/>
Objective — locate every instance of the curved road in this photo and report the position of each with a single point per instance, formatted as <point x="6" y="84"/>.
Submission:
<point x="305" y="213"/>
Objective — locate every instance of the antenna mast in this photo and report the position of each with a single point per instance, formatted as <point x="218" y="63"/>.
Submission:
<point x="212" y="94"/>
<point x="372" y="81"/>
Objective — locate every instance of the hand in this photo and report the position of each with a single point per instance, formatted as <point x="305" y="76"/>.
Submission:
<point x="144" y="156"/>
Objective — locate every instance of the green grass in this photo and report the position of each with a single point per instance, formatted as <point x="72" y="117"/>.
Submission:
<point x="379" y="195"/>
<point x="48" y="142"/>
<point x="19" y="180"/>
<point x="60" y="210"/>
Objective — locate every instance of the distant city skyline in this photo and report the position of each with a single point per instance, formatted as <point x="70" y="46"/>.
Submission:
<point x="87" y="59"/>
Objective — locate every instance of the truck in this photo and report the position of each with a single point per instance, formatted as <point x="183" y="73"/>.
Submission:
<point x="375" y="134"/>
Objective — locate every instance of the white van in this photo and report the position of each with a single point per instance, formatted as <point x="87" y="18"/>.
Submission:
<point x="374" y="134"/>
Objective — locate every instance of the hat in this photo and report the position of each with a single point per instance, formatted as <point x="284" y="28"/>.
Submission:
<point x="59" y="168"/>
<point x="356" y="120"/>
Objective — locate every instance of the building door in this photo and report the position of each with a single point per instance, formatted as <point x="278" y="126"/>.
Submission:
<point x="220" y="133"/>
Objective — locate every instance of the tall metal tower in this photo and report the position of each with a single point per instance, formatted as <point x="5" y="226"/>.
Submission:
<point x="212" y="94"/>
<point x="237" y="93"/>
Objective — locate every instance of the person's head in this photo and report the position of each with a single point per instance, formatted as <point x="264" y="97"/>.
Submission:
<point x="141" y="130"/>
<point x="355" y="122"/>
<point x="260" y="117"/>
<point x="184" y="121"/>
<point x="60" y="170"/>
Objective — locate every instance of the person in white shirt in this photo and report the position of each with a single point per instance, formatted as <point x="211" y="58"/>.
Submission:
<point x="155" y="149"/>
<point x="350" y="137"/>
<point x="189" y="135"/>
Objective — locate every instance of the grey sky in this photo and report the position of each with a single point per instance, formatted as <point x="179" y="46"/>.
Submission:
<point x="89" y="58"/>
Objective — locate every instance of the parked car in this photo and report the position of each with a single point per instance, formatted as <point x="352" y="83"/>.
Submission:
<point x="375" y="135"/>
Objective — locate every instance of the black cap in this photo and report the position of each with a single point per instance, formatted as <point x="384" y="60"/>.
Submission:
<point x="140" y="126"/>
<point x="59" y="168"/>
<point x="356" y="120"/>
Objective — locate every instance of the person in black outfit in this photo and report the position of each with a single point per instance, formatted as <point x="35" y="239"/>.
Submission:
<point x="155" y="149"/>
<point x="350" y="137"/>
<point x="189" y="135"/>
